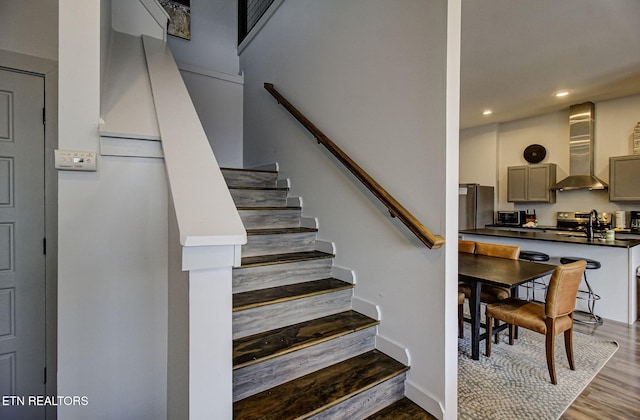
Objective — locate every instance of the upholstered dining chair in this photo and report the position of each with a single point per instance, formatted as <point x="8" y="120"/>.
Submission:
<point x="492" y="294"/>
<point x="498" y="250"/>
<point x="550" y="319"/>
<point x="466" y="246"/>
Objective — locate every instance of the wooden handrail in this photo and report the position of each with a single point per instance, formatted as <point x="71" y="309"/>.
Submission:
<point x="395" y="208"/>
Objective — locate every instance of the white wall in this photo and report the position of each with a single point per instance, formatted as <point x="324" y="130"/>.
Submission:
<point x="478" y="154"/>
<point x="131" y="17"/>
<point x="454" y="35"/>
<point x="112" y="250"/>
<point x="29" y="27"/>
<point x="214" y="35"/>
<point x="217" y="98"/>
<point x="614" y="123"/>
<point x="209" y="65"/>
<point x="372" y="76"/>
<point x="106" y="30"/>
<point x="549" y="130"/>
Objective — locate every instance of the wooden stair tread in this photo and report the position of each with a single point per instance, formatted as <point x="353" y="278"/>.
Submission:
<point x="270" y="208"/>
<point x="267" y="345"/>
<point x="283" y="258"/>
<point x="250" y="170"/>
<point x="256" y="298"/>
<point x="403" y="409"/>
<point x="320" y="390"/>
<point x="278" y="231"/>
<point x="236" y="187"/>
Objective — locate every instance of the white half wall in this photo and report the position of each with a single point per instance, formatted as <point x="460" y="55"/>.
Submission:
<point x="373" y="77"/>
<point x="126" y="105"/>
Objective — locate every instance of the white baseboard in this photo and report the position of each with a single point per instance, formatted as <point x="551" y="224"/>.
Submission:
<point x="309" y="222"/>
<point x="423" y="399"/>
<point x="325" y="246"/>
<point x="365" y="307"/>
<point x="294" y="201"/>
<point x="393" y="349"/>
<point x="343" y="274"/>
<point x="283" y="183"/>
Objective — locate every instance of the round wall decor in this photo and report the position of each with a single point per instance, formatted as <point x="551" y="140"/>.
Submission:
<point x="534" y="153"/>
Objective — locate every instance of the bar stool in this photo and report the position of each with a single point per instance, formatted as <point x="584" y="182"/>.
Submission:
<point x="537" y="284"/>
<point x="591" y="297"/>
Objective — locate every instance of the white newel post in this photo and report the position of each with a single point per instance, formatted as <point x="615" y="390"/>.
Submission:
<point x="210" y="332"/>
<point x="200" y="380"/>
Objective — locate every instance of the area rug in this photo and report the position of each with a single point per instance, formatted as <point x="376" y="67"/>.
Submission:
<point x="514" y="382"/>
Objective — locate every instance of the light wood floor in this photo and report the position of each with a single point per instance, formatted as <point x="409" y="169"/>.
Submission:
<point x="615" y="392"/>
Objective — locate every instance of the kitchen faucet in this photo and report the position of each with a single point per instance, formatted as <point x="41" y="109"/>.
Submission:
<point x="593" y="220"/>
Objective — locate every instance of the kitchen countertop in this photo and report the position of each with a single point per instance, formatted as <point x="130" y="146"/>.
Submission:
<point x="553" y="235"/>
<point x="540" y="227"/>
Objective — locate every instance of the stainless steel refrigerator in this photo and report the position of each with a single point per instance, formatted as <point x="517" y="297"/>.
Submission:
<point x="475" y="206"/>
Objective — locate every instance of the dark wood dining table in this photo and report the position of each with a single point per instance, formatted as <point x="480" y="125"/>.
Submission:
<point x="477" y="270"/>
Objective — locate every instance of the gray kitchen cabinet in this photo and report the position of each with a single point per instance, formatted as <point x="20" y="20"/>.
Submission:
<point x="517" y="179"/>
<point x="624" y="178"/>
<point x="531" y="183"/>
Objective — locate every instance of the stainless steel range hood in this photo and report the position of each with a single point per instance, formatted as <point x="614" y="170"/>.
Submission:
<point x="581" y="144"/>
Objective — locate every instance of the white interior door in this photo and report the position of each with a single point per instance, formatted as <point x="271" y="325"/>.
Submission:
<point x="22" y="260"/>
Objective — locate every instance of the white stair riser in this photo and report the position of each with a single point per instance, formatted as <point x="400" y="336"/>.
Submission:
<point x="366" y="403"/>
<point x="264" y="276"/>
<point x="259" y="198"/>
<point x="279" y="244"/>
<point x="269" y="317"/>
<point x="265" y="219"/>
<point x="250" y="380"/>
<point x="249" y="179"/>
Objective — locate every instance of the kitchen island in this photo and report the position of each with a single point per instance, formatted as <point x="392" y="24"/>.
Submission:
<point x="616" y="281"/>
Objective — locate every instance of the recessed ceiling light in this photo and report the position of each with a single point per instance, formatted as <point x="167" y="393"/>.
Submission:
<point x="487" y="112"/>
<point x="561" y="93"/>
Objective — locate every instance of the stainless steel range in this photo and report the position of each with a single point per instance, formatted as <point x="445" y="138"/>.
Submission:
<point x="579" y="220"/>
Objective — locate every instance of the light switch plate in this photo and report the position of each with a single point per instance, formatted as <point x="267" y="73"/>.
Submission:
<point x="75" y="160"/>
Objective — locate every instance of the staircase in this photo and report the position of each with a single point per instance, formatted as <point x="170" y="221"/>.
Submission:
<point x="299" y="350"/>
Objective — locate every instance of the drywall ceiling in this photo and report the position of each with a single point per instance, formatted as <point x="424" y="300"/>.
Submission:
<point x="516" y="53"/>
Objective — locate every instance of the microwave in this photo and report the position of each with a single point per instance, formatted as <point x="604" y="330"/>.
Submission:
<point x="511" y="218"/>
